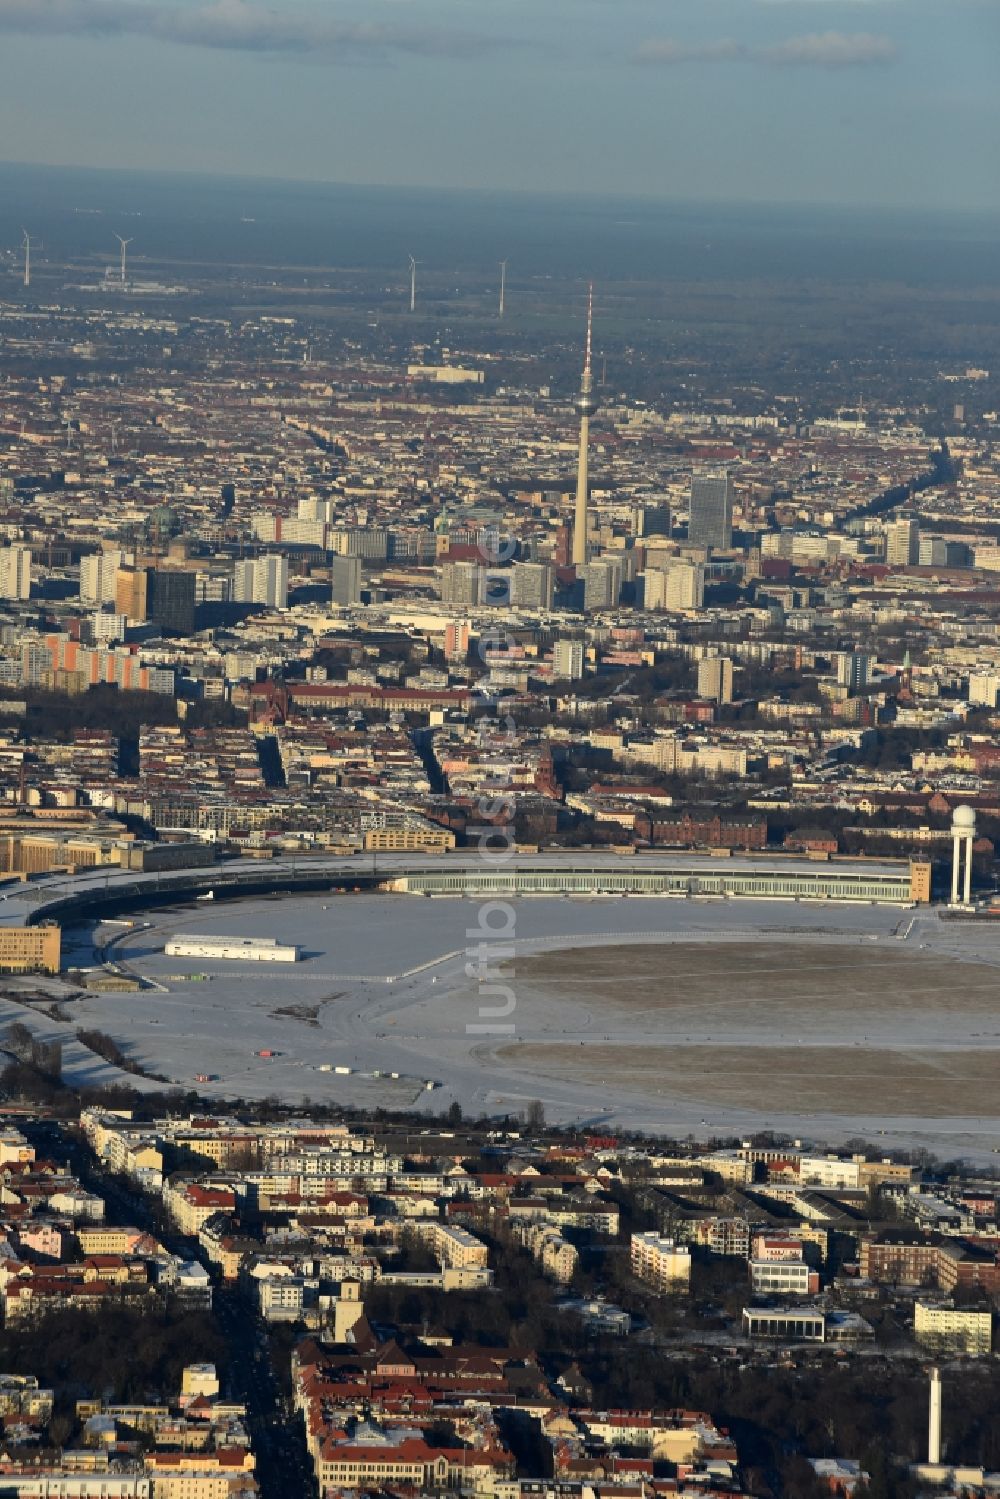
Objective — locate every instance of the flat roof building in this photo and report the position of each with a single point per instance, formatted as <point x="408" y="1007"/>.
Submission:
<point x="661" y="1262"/>
<point x="785" y="1324"/>
<point x="245" y="949"/>
<point x="948" y="1329"/>
<point x="30" y="949"/>
<point x="711" y="515"/>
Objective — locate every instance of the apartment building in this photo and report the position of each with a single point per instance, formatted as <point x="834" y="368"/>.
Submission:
<point x="456" y="1248"/>
<point x="948" y="1329"/>
<point x="556" y="1256"/>
<point x="190" y="1204"/>
<point x="661" y="1262"/>
<point x="15" y="572"/>
<point x="262" y="580"/>
<point x="723" y="1236"/>
<point x="21" y="1395"/>
<point x="715" y="679"/>
<point x="919" y="1262"/>
<point x="282" y="1298"/>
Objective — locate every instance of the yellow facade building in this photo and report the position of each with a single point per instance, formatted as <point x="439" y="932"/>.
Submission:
<point x="31" y="949"/>
<point x="947" y="1329"/>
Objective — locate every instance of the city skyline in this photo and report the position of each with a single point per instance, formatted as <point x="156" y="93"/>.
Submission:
<point x="553" y="614"/>
<point x="868" y="102"/>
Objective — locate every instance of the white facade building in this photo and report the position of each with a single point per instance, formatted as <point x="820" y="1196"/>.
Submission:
<point x="567" y="660"/>
<point x="782" y="1277"/>
<point x="262" y="580"/>
<point x="902" y="541"/>
<point x="15" y="571"/>
<point x="945" y="1328"/>
<point x="984" y="688"/>
<point x="246" y="949"/>
<point x="830" y="1171"/>
<point x="99" y="576"/>
<point x="108" y="625"/>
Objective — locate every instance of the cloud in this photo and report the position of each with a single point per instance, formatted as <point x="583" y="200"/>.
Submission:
<point x="233" y="25"/>
<point x="665" y="50"/>
<point x="832" y="49"/>
<point x="824" y="49"/>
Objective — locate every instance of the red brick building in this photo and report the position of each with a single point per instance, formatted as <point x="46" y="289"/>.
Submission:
<point x="688" y="830"/>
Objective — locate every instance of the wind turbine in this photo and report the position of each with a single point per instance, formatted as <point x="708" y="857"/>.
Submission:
<point x="123" y="243"/>
<point x="503" y="284"/>
<point x="27" y="257"/>
<point x="413" y="283"/>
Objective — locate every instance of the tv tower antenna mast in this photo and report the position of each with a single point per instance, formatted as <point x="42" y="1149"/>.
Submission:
<point x="503" y="285"/>
<point x="123" y="243"/>
<point x="413" y="283"/>
<point x="26" y="242"/>
<point x="586" y="406"/>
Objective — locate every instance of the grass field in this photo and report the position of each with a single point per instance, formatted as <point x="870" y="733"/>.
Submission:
<point x="843" y="1029"/>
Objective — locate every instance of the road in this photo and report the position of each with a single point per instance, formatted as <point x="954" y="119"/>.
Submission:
<point x="283" y="1467"/>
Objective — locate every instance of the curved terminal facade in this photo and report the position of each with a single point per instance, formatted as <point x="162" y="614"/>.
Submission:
<point x="895" y="886"/>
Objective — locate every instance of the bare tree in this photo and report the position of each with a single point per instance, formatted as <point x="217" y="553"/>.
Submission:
<point x="19" y="1040"/>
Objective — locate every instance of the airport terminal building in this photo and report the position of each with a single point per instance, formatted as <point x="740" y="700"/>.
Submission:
<point x="895" y="883"/>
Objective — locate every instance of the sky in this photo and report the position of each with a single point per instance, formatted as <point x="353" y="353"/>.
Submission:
<point x="855" y="102"/>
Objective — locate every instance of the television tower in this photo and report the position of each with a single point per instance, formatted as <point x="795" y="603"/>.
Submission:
<point x="585" y="406"/>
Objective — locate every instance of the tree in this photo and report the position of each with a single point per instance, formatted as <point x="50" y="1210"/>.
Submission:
<point x="535" y="1116"/>
<point x="454" y="1114"/>
<point x="61" y="1429"/>
<point x="19" y="1040"/>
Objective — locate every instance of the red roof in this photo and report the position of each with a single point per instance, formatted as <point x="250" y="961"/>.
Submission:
<point x="217" y="1197"/>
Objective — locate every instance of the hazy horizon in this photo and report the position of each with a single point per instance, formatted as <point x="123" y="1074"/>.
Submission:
<point x="219" y="218"/>
<point x="929" y="211"/>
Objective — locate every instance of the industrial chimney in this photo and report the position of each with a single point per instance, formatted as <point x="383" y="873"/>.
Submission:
<point x="934" y="1421"/>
